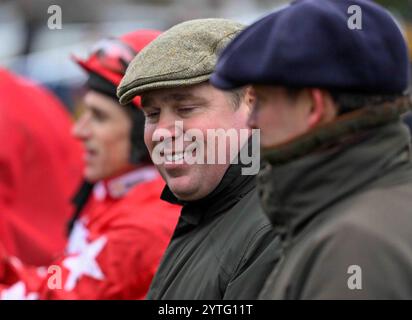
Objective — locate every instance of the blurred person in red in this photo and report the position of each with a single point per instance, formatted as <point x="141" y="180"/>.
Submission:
<point x="40" y="169"/>
<point x="121" y="227"/>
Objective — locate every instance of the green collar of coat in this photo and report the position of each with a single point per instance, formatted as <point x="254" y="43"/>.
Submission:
<point x="333" y="133"/>
<point x="293" y="191"/>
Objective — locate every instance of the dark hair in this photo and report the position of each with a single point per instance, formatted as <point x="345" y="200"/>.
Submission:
<point x="236" y="96"/>
<point x="349" y="101"/>
<point x="139" y="153"/>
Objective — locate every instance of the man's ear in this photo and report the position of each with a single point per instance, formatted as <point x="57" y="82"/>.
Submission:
<point x="323" y="109"/>
<point x="249" y="97"/>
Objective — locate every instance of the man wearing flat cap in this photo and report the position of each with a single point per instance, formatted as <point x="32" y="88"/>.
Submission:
<point x="337" y="184"/>
<point x="223" y="246"/>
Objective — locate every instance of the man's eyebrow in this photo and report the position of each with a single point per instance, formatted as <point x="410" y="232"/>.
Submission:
<point x="173" y="97"/>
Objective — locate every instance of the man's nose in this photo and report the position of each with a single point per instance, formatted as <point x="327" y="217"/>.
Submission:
<point x="169" y="128"/>
<point x="169" y="122"/>
<point x="81" y="129"/>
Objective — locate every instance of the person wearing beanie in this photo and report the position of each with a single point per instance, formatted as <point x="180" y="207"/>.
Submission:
<point x="223" y="246"/>
<point x="121" y="227"/>
<point x="337" y="184"/>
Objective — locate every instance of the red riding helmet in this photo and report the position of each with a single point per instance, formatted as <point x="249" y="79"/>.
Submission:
<point x="110" y="57"/>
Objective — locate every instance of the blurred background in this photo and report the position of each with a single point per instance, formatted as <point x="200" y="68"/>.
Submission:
<point x="28" y="47"/>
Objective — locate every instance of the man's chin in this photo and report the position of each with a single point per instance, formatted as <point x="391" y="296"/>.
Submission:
<point x="182" y="187"/>
<point x="92" y="175"/>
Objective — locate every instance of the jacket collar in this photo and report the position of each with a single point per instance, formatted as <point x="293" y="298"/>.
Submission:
<point x="118" y="187"/>
<point x="230" y="190"/>
<point x="292" y="193"/>
<point x="346" y="125"/>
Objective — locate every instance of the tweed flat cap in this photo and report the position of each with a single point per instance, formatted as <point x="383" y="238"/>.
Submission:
<point x="311" y="43"/>
<point x="185" y="54"/>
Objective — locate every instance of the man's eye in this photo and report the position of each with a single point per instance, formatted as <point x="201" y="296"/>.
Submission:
<point x="186" y="109"/>
<point x="152" y="114"/>
<point x="99" y="116"/>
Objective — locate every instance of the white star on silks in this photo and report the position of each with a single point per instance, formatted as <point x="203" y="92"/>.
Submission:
<point x="18" y="292"/>
<point x="78" y="238"/>
<point x="84" y="263"/>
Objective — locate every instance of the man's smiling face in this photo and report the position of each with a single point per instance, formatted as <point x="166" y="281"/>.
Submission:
<point x="199" y="107"/>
